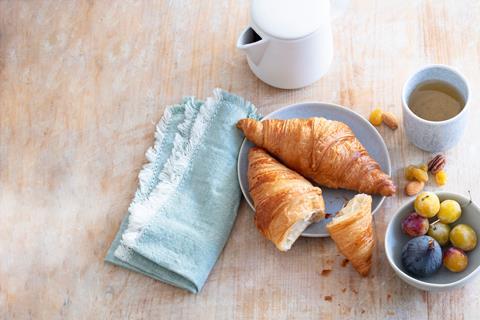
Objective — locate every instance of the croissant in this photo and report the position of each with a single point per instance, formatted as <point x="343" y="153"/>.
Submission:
<point x="351" y="230"/>
<point x="322" y="150"/>
<point x="285" y="202"/>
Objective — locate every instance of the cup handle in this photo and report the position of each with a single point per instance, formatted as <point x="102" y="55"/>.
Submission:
<point x="338" y="7"/>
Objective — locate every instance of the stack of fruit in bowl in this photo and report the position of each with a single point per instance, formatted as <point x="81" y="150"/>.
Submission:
<point x="422" y="255"/>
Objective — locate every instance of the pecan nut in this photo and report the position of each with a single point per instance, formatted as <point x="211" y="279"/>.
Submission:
<point x="437" y="163"/>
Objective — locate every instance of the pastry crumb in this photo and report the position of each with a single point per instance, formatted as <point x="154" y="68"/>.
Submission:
<point x="325" y="272"/>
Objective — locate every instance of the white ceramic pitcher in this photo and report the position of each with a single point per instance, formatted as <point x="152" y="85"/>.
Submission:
<point x="289" y="42"/>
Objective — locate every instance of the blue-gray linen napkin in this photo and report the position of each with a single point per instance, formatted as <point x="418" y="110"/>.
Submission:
<point x="188" y="194"/>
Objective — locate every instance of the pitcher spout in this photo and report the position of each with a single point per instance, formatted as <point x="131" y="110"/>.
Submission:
<point x="253" y="44"/>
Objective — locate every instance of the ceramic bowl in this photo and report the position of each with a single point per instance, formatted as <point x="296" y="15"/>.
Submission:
<point x="395" y="239"/>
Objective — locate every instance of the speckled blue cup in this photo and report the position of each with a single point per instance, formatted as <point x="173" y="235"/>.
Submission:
<point x="435" y="136"/>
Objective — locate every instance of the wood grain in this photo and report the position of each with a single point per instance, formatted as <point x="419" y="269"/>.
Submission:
<point x="82" y="84"/>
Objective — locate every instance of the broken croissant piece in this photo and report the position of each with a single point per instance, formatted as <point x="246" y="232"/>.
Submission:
<point x="351" y="230"/>
<point x="322" y="150"/>
<point x="285" y="202"/>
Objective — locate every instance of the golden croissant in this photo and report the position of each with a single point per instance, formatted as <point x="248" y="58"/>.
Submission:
<point x="285" y="202"/>
<point x="325" y="151"/>
<point x="351" y="230"/>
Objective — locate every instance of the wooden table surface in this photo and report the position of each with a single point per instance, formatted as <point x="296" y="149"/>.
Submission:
<point x="82" y="84"/>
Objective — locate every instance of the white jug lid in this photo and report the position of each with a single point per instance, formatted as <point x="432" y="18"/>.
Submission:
<point x="289" y="19"/>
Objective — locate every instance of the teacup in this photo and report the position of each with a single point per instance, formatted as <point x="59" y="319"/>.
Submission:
<point x="435" y="136"/>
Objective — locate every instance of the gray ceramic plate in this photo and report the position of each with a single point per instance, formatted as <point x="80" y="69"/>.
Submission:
<point x="334" y="198"/>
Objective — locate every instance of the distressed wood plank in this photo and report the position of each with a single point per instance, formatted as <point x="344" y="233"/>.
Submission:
<point x="82" y="84"/>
